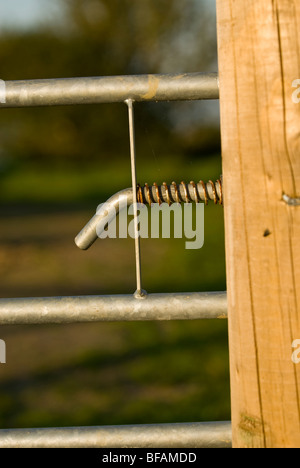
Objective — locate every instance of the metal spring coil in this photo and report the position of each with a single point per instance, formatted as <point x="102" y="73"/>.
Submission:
<point x="181" y="193"/>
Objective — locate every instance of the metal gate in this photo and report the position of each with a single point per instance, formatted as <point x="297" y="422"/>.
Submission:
<point x="140" y="306"/>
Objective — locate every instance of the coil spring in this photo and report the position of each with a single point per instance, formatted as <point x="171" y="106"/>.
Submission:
<point x="181" y="193"/>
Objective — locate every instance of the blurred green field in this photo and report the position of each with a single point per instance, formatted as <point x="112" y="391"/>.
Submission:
<point x="69" y="183"/>
<point x="109" y="373"/>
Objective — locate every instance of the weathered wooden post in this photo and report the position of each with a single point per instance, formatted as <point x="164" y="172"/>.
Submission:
<point x="259" y="61"/>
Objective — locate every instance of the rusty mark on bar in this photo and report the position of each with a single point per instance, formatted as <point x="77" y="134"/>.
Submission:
<point x="153" y="82"/>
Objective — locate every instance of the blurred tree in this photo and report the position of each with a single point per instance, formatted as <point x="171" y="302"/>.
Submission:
<point x="102" y="37"/>
<point x="145" y="36"/>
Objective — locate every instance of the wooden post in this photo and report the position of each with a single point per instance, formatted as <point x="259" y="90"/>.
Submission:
<point x="259" y="61"/>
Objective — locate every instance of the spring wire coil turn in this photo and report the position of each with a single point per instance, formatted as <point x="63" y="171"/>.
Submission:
<point x="181" y="193"/>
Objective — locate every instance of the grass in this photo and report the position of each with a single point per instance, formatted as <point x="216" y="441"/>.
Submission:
<point x="66" y="183"/>
<point x="109" y="373"/>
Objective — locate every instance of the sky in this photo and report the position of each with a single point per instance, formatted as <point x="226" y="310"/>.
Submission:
<point x="26" y="13"/>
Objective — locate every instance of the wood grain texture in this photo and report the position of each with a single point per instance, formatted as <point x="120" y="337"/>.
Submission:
<point x="259" y="59"/>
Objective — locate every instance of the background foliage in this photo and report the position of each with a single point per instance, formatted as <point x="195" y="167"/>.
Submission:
<point x="56" y="165"/>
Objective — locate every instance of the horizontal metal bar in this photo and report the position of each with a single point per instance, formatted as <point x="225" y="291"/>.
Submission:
<point x="180" y="435"/>
<point x="171" y="306"/>
<point x="105" y="89"/>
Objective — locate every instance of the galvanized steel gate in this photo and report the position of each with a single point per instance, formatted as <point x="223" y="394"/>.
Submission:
<point x="140" y="306"/>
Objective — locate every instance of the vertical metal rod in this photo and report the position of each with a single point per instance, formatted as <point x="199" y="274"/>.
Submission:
<point x="139" y="292"/>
